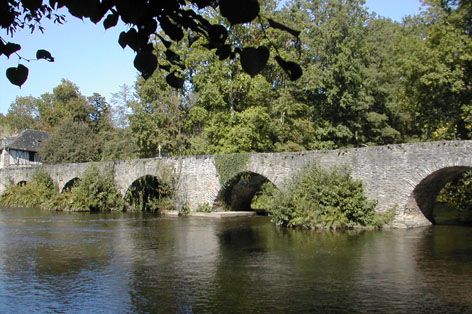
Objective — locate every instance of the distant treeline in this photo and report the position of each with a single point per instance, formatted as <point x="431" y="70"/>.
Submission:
<point x="367" y="80"/>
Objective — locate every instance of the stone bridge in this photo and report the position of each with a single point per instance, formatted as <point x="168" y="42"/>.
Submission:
<point x="406" y="177"/>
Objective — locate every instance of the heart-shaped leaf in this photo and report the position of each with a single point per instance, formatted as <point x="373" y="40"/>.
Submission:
<point x="239" y="11"/>
<point x="9" y="48"/>
<point x="111" y="20"/>
<point x="253" y="60"/>
<point x="44" y="54"/>
<point x="293" y="70"/>
<point x="17" y="76"/>
<point x="146" y="63"/>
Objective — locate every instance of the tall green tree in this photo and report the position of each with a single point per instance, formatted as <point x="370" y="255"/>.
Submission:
<point x="438" y="72"/>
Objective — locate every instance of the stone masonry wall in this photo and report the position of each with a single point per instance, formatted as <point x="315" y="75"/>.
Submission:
<point x="390" y="173"/>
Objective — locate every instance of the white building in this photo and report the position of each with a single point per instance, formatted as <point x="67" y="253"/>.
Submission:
<point x="22" y="150"/>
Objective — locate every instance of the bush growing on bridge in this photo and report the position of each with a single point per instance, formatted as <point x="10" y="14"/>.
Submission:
<point x="95" y="191"/>
<point x="33" y="194"/>
<point x="321" y="199"/>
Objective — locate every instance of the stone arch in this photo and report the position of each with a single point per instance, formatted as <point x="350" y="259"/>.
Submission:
<point x="22" y="183"/>
<point x="70" y="184"/>
<point x="424" y="194"/>
<point x="237" y="193"/>
<point x="145" y="192"/>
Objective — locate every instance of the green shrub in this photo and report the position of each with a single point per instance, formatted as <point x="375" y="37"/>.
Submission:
<point x="32" y="194"/>
<point x="95" y="191"/>
<point x="320" y="199"/>
<point x="204" y="208"/>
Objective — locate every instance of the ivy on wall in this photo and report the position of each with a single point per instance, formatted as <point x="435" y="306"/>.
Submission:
<point x="229" y="165"/>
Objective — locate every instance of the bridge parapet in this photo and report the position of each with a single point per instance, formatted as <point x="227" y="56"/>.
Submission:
<point x="394" y="175"/>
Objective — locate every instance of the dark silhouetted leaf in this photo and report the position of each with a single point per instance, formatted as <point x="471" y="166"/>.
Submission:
<point x="171" y="29"/>
<point x="224" y="52"/>
<point x="217" y="34"/>
<point x="130" y="11"/>
<point x="282" y="27"/>
<point x="164" y="67"/>
<point x="166" y="43"/>
<point x="253" y="60"/>
<point x="122" y="40"/>
<point x="146" y="63"/>
<point x="174" y="81"/>
<point x="239" y="11"/>
<point x="202" y="3"/>
<point x="7" y="16"/>
<point x="32" y="5"/>
<point x="9" y="48"/>
<point x="132" y="39"/>
<point x="44" y="54"/>
<point x="171" y="56"/>
<point x="59" y="3"/>
<point x="111" y="20"/>
<point x="17" y="76"/>
<point x="293" y="70"/>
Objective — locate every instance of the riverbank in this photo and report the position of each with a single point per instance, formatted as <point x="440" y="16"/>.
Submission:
<point x="215" y="214"/>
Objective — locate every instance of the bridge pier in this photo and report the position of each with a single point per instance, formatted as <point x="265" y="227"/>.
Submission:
<point x="406" y="177"/>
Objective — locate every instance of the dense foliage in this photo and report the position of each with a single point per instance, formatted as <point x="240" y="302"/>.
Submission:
<point x="150" y="194"/>
<point x="32" y="194"/>
<point x="228" y="166"/>
<point x="367" y="81"/>
<point x="95" y="191"/>
<point x="321" y="199"/>
<point x="458" y="192"/>
<point x="166" y="22"/>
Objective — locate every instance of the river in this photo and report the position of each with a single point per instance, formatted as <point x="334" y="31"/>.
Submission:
<point x="121" y="263"/>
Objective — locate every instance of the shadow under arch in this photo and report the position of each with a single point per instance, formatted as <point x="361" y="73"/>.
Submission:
<point x="424" y="195"/>
<point x="70" y="184"/>
<point x="145" y="193"/>
<point x="238" y="192"/>
<point x="22" y="183"/>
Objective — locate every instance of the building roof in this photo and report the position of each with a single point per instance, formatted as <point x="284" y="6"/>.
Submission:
<point x="27" y="140"/>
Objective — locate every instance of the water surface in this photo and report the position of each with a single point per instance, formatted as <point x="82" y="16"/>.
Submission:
<point x="121" y="263"/>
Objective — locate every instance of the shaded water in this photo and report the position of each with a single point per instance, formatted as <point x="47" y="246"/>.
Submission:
<point x="62" y="262"/>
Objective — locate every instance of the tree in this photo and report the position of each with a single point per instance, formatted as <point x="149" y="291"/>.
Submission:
<point x="157" y="120"/>
<point x="437" y="71"/>
<point x="23" y="114"/>
<point x="177" y="19"/>
<point x="72" y="141"/>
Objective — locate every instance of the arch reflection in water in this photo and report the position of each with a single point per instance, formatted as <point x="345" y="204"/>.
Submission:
<point x="140" y="262"/>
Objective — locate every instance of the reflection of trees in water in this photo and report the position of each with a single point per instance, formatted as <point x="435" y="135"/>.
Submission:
<point x="445" y="266"/>
<point x="174" y="261"/>
<point x="55" y="256"/>
<point x="263" y="268"/>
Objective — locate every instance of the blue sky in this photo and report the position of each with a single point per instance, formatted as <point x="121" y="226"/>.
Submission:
<point x="90" y="57"/>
